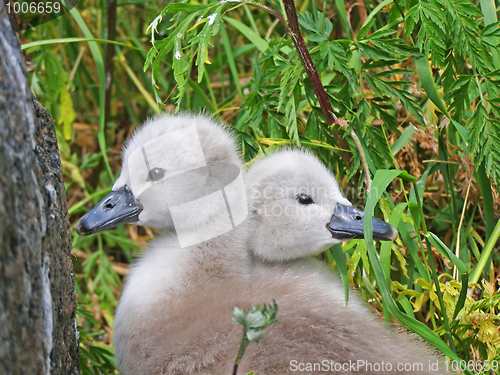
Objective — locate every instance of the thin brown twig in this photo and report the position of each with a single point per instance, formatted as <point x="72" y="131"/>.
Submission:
<point x="291" y="25"/>
<point x="319" y="90"/>
<point x="305" y="57"/>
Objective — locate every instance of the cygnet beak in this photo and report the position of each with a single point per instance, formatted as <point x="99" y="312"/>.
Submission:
<point x="347" y="223"/>
<point x="119" y="207"/>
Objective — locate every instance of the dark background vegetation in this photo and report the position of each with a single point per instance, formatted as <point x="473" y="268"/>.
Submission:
<point x="416" y="82"/>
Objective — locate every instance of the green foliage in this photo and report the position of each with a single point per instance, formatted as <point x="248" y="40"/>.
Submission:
<point x="94" y="357"/>
<point x="459" y="44"/>
<point x="416" y="80"/>
<point x="254" y="321"/>
<point x="281" y="99"/>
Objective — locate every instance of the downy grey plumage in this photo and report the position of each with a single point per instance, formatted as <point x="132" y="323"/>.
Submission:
<point x="174" y="316"/>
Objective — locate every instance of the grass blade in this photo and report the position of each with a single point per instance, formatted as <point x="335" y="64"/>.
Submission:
<point x="485" y="254"/>
<point x="447" y="253"/>
<point x="385" y="249"/>
<point x="382" y="179"/>
<point x="147" y="96"/>
<point x="75" y="40"/>
<point x="403" y="139"/>
<point x="484" y="183"/>
<point x="338" y="256"/>
<point x="248" y="33"/>
<point x="99" y="62"/>
<point x="343" y="17"/>
<point x="368" y="22"/>
<point x="488" y="8"/>
<point x="230" y="58"/>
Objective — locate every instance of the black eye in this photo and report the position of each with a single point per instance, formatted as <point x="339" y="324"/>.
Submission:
<point x="304" y="199"/>
<point x="156" y="174"/>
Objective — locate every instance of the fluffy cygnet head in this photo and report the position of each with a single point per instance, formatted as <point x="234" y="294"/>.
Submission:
<point x="174" y="167"/>
<point x="297" y="208"/>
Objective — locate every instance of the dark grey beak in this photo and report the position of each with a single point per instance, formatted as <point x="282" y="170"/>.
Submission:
<point x="347" y="223"/>
<point x="119" y="207"/>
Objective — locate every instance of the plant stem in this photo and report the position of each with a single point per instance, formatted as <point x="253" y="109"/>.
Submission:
<point x="354" y="136"/>
<point x="485" y="254"/>
<point x="291" y="25"/>
<point x="84" y="201"/>
<point x="243" y="347"/>
<point x="319" y="90"/>
<point x="300" y="44"/>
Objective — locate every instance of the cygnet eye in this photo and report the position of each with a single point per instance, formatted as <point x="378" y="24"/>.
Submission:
<point x="304" y="199"/>
<point x="156" y="174"/>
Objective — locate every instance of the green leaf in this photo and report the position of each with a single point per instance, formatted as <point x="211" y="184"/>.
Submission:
<point x="99" y="62"/>
<point x="425" y="73"/>
<point x="386" y="247"/>
<point x="369" y="21"/>
<point x="255" y="319"/>
<point x="342" y="14"/>
<point x="184" y="7"/>
<point x="248" y="33"/>
<point x="339" y="257"/>
<point x="336" y="56"/>
<point x="76" y="40"/>
<point x="230" y="59"/>
<point x="485" y="254"/>
<point x="403" y="139"/>
<point x="382" y="179"/>
<point x="255" y="335"/>
<point x="239" y="316"/>
<point x="66" y="112"/>
<point x="447" y="253"/>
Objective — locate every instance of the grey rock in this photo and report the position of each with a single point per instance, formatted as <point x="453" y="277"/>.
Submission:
<point x="37" y="287"/>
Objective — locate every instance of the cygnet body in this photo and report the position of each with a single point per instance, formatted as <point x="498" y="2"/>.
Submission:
<point x="174" y="316"/>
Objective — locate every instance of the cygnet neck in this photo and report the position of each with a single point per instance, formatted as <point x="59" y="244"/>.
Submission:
<point x="219" y="258"/>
